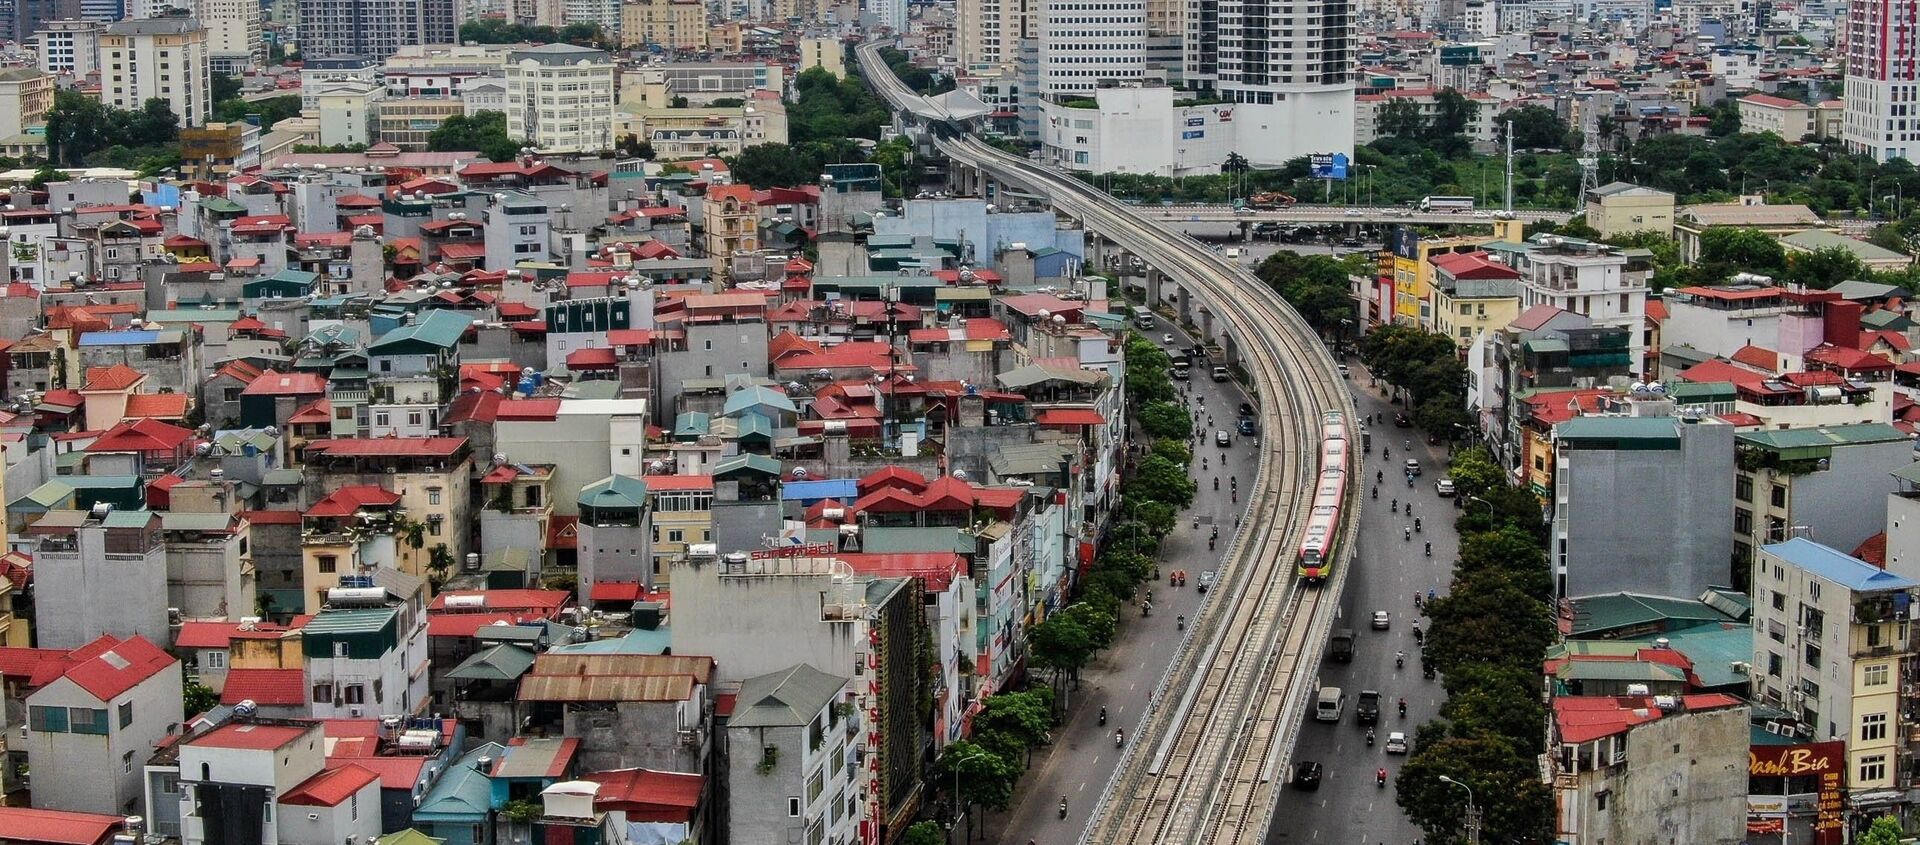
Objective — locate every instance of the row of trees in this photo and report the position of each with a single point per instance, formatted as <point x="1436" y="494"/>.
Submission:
<point x="1424" y="366"/>
<point x="1316" y="286"/>
<point x="82" y="131"/>
<point x="1487" y="637"/>
<point x="484" y="131"/>
<point x="986" y="768"/>
<point x="1727" y="250"/>
<point x="501" y="31"/>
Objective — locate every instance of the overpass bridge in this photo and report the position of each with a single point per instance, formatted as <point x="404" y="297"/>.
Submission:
<point x="1208" y="754"/>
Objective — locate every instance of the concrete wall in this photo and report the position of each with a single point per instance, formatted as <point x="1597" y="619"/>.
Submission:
<point x="1696" y="794"/>
<point x="1847" y="503"/>
<point x="757" y="624"/>
<point x="636" y="734"/>
<point x="79" y="595"/>
<point x="1636" y="520"/>
<point x="86" y="772"/>
<point x="204" y="579"/>
<point x="615" y="553"/>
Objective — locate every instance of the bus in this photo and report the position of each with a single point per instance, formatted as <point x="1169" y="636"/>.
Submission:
<point x="1446" y="203"/>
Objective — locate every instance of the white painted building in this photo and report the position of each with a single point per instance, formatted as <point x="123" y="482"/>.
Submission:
<point x="164" y="58"/>
<point x="1882" y="90"/>
<point x="1287" y="66"/>
<point x="483" y="93"/>
<point x="348" y="112"/>
<point x="1087" y="44"/>
<point x="560" y="98"/>
<point x="234" y="39"/>
<point x="68" y="47"/>
<point x="1138" y="130"/>
<point x="89" y="733"/>
<point x="275" y="771"/>
<point x="1594" y="280"/>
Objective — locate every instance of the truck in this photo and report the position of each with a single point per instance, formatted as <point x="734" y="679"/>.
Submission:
<point x="1366" y="708"/>
<point x="1143" y="318"/>
<point x="1270" y="199"/>
<point x="1438" y="203"/>
<point x="1340" y="648"/>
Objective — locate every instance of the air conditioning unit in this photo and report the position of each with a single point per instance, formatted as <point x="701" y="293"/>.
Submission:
<point x="355" y="712"/>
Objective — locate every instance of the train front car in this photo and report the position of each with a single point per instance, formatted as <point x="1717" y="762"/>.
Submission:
<point x="1314" y="561"/>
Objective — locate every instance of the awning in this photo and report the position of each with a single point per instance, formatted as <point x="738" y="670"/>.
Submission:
<point x="1070" y="416"/>
<point x="616" y="591"/>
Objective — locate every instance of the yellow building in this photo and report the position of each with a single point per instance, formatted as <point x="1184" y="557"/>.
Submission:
<point x="349" y="533"/>
<point x="674" y="24"/>
<point x="1412" y="300"/>
<point x="432" y="478"/>
<point x="826" y="53"/>
<point x="1619" y="208"/>
<point x="682" y="509"/>
<point x="1472" y="295"/>
<point x="732" y="224"/>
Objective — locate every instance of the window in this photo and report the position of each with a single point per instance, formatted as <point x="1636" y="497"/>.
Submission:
<point x="1873" y="727"/>
<point x="126" y="714"/>
<point x="1600" y="800"/>
<point x="322" y="693"/>
<point x="1773" y="665"/>
<point x="1779" y="495"/>
<point x="328" y="564"/>
<point x="1874" y="676"/>
<point x="1813" y="655"/>
<point x="414" y="419"/>
<point x="1742" y="521"/>
<point x="433" y="495"/>
<point x="1743" y="488"/>
<point x="218" y="659"/>
<point x="231" y="394"/>
<point x="676" y="536"/>
<point x="382" y="419"/>
<point x="1873" y="767"/>
<point x="793" y="806"/>
<point x="356" y="694"/>
<point x="88" y="720"/>
<point x="50" y="719"/>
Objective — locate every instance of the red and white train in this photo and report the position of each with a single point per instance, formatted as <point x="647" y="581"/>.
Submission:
<point x="1318" y="547"/>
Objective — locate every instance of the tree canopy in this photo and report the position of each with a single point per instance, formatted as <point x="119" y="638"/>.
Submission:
<point x="78" y="126"/>
<point x="1534" y="127"/>
<point x="484" y="132"/>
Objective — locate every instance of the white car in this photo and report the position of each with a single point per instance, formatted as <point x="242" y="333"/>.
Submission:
<point x="1444" y="487"/>
<point x="1207" y="579"/>
<point x="1382" y="620"/>
<point x="1167" y="338"/>
<point x="1481" y="214"/>
<point x="1353" y="212"/>
<point x="1396" y="743"/>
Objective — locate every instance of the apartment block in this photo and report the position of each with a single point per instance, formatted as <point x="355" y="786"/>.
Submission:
<point x="164" y="58"/>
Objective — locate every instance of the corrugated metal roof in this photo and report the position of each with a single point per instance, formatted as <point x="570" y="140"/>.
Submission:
<point x="606" y="687"/>
<point x="698" y="668"/>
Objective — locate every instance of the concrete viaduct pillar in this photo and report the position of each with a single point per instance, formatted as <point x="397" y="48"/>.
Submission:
<point x="1206" y="325"/>
<point x="1183" y="302"/>
<point x="1230" y="349"/>
<point x="1155" y="279"/>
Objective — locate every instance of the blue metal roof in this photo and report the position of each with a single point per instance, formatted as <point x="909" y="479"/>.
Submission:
<point x="808" y="492"/>
<point x="120" y="338"/>
<point x="1837" y="566"/>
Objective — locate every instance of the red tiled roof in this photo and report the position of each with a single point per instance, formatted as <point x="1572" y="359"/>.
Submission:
<point x="893" y="476"/>
<point x="265" y="224"/>
<point x="1773" y="102"/>
<point x="617" y="591"/>
<point x="346" y="500"/>
<point x="563" y="532"/>
<point x="1730" y="294"/>
<point x="1847" y="359"/>
<point x="331" y="787"/>
<point x="544" y="409"/>
<point x="37" y="667"/>
<point x="142" y="435"/>
<point x="647" y="795"/>
<point x="1472" y="265"/>
<point x="160" y="406"/>
<point x="283" y="687"/>
<point x="1657" y="310"/>
<point x="243" y="370"/>
<point x="1070" y="416"/>
<point x="662" y="483"/>
<point x="1873" y="550"/>
<point x="1717" y="370"/>
<point x="937" y="569"/>
<point x="116" y="377"/>
<point x="425" y="447"/>
<point x="468" y="624"/>
<point x="463" y="252"/>
<point x="34" y="826"/>
<point x="630" y="337"/>
<point x="271" y="383"/>
<point x="1759" y="358"/>
<point x="119" y="666"/>
<point x="592" y="358"/>
<point x="272" y="517"/>
<point x="317" y="411"/>
<point x="1587" y="718"/>
<point x="516" y="310"/>
<point x="394" y="772"/>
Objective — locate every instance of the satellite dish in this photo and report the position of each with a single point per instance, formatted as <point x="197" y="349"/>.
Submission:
<point x="799" y="472"/>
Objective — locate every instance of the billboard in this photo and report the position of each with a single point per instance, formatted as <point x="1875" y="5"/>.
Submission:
<point x="1325" y="166"/>
<point x="1191" y="134"/>
<point x="1825" y="762"/>
<point x="1404" y="243"/>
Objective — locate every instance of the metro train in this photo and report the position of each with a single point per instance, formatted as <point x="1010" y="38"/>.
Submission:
<point x="1317" y="548"/>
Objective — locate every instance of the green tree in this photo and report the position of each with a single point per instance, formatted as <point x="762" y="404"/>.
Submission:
<point x="1062" y="642"/>
<point x="924" y="833"/>
<point x="1725" y="250"/>
<point x="271" y="110"/>
<point x="1725" y="120"/>
<point x="1486" y="619"/>
<point x="484" y="132"/>
<point x="1173" y="450"/>
<point x="1514" y="805"/>
<point x="1502" y="505"/>
<point x="1401" y="118"/>
<point x="1474" y="472"/>
<point x="1158" y="517"/>
<point x="1496" y="701"/>
<point x="1825" y="267"/>
<point x="773" y="166"/>
<point x="1159" y="479"/>
<point x="224" y="87"/>
<point x="1165" y="420"/>
<point x="1316" y="286"/>
<point x="1453" y="114"/>
<point x="45" y="174"/>
<point x="197" y="698"/>
<point x="1147" y="378"/>
<point x="1885" y="831"/>
<point x="1509" y="552"/>
<point x="984" y="778"/>
<point x="1534" y="127"/>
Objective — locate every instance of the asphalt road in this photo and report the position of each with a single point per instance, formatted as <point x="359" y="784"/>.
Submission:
<point x="1348" y="807"/>
<point x="1123" y="677"/>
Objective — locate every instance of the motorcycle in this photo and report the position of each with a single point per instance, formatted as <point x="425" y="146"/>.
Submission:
<point x="1376" y="491"/>
<point x="1380" y="778"/>
<point x="1403" y="708"/>
<point x="1400" y="660"/>
<point x="1369" y="737"/>
<point x="1429" y="550"/>
<point x="1416" y="525"/>
<point x="1210" y="542"/>
<point x="1119" y="738"/>
<point x="1103" y="715"/>
<point x="1146" y="609"/>
<point x="1180" y="622"/>
<point x="1063" y="808"/>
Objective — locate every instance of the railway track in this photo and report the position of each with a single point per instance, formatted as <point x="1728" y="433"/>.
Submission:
<point x="1205" y="763"/>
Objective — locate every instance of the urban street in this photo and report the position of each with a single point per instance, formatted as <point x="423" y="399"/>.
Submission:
<point x="1082" y="756"/>
<point x="1349" y="806"/>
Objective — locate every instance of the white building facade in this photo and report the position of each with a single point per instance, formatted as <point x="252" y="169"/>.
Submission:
<point x="1085" y="43"/>
<point x="560" y="98"/>
<point x="1882" y="91"/>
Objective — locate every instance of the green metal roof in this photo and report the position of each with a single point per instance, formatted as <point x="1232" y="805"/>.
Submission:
<point x="756" y="396"/>
<point x="464" y="793"/>
<point x="1620" y="670"/>
<point x="190" y="521"/>
<point x="1706" y="391"/>
<point x="222" y="205"/>
<point x="194" y="315"/>
<point x="1686" y="353"/>
<point x="127" y="519"/>
<point x="1598" y="614"/>
<point x="1713" y="648"/>
<point x="789" y="698"/>
<point x="368" y="620"/>
<point x="691" y="424"/>
<point x="1622" y="432"/>
<point x="499" y="663"/>
<point x="749" y="463"/>
<point x="1795" y="443"/>
<point x="753" y="425"/>
<point x="878" y="540"/>
<point x="440" y="327"/>
<point x="615" y="491"/>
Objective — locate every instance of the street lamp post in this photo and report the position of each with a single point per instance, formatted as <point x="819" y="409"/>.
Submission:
<point x="1473" y="816"/>
<point x="956" y="791"/>
<point x="1490" y="508"/>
